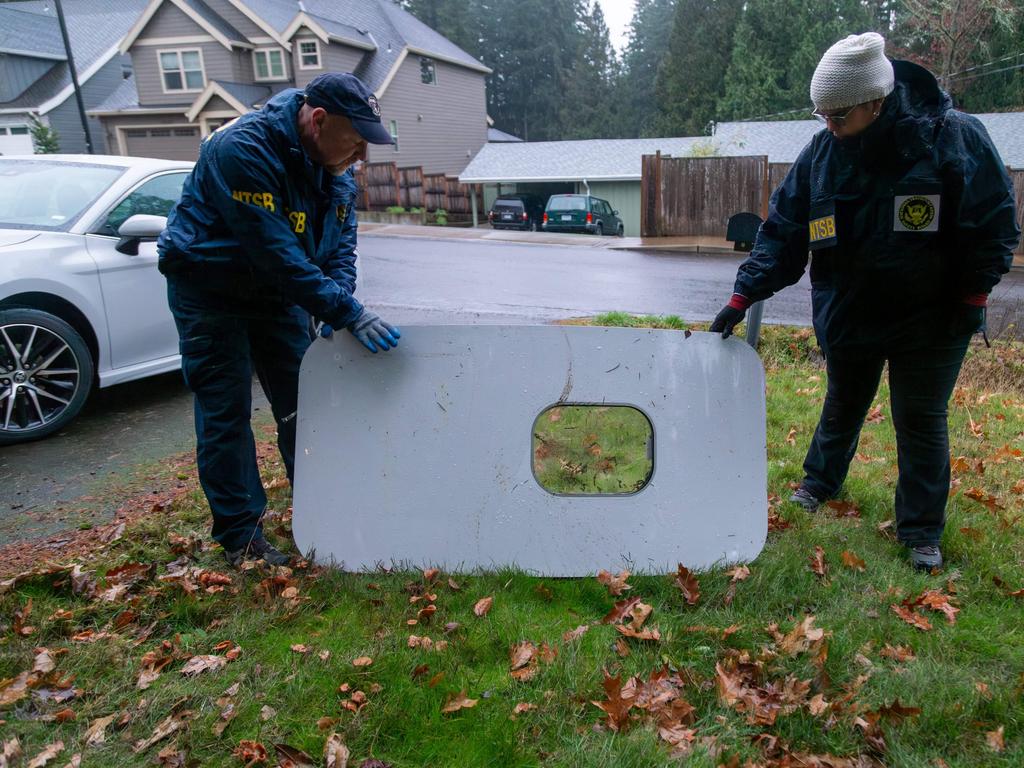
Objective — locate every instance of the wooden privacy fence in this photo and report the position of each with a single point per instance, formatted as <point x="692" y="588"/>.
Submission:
<point x="695" y="196"/>
<point x="383" y="185"/>
<point x="1017" y="177"/>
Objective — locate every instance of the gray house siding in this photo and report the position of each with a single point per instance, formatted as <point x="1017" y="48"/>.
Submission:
<point x="19" y="72"/>
<point x="171" y="21"/>
<point x="217" y="104"/>
<point x="338" y="58"/>
<point x="218" y="64"/>
<point x="440" y="126"/>
<point x="66" y="121"/>
<point x="236" y="18"/>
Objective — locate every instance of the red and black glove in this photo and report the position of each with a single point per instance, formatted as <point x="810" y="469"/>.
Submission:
<point x="968" y="315"/>
<point x="730" y="316"/>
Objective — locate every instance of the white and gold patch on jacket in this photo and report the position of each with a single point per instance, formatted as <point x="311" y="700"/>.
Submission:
<point x="916" y="213"/>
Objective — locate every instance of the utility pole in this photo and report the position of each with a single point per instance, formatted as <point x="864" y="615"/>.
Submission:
<point x="74" y="76"/>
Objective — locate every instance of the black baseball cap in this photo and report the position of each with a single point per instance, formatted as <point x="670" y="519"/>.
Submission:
<point x="341" y="93"/>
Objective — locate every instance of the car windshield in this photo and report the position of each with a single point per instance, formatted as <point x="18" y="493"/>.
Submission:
<point x="567" y="203"/>
<point x="44" y="194"/>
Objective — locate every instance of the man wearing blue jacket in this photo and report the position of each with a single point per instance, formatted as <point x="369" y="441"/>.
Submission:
<point x="263" y="237"/>
<point x="909" y="216"/>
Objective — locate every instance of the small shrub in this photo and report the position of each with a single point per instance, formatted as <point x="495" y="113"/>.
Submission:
<point x="395" y="209"/>
<point x="45" y="139"/>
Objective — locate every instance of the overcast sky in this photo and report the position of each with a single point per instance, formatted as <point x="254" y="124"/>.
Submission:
<point x="617" y="14"/>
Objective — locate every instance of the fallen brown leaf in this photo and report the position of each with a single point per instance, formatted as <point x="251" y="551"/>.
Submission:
<point x="995" y="740"/>
<point x="616" y="584"/>
<point x="817" y="562"/>
<point x="97" y="732"/>
<point x="687" y="584"/>
<point x="899" y="653"/>
<point x="850" y="560"/>
<point x="620" y="610"/>
<point x="336" y="754"/>
<point x="457" y="701"/>
<point x="171" y="724"/>
<point x="46" y="755"/>
<point x="575" y="634"/>
<point x="651" y="634"/>
<point x="912" y="618"/>
<point x="290" y="757"/>
<point x="205" y="663"/>
<point x="615" y="706"/>
<point x="362" y="661"/>
<point x="483" y="606"/>
<point x="250" y="752"/>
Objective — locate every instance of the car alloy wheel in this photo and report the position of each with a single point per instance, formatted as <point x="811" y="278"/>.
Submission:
<point x="45" y="374"/>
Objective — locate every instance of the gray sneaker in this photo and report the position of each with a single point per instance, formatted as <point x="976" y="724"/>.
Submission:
<point x="805" y="499"/>
<point x="926" y="557"/>
<point x="258" y="549"/>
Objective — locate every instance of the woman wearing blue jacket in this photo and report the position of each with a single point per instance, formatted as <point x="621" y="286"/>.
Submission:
<point x="908" y="215"/>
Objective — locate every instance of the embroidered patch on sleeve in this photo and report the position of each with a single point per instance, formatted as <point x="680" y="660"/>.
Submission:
<point x="822" y="231"/>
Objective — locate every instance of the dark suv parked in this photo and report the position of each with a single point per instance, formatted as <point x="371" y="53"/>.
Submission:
<point x="520" y="211"/>
<point x="581" y="213"/>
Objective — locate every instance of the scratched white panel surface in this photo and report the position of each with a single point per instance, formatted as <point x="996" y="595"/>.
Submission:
<point x="422" y="456"/>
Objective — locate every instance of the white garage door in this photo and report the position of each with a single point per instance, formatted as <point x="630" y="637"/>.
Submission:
<point x="15" y="140"/>
<point x="181" y="143"/>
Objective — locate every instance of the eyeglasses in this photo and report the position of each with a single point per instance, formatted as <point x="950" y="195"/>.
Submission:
<point x="836" y="117"/>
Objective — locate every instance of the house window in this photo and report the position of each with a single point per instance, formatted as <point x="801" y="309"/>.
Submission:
<point x="19" y="130"/>
<point x="393" y="128"/>
<point x="309" y="54"/>
<point x="182" y="70"/>
<point x="427" y="73"/>
<point x="269" y="64"/>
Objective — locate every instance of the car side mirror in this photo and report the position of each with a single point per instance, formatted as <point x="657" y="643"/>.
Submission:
<point x="615" y="213"/>
<point x="137" y="228"/>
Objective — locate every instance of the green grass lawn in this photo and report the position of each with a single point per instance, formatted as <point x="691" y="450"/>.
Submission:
<point x="759" y="681"/>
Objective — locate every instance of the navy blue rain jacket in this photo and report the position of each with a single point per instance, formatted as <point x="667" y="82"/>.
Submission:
<point x="902" y="222"/>
<point x="256" y="215"/>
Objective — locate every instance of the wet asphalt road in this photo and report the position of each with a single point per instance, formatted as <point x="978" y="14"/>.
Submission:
<point x="125" y="430"/>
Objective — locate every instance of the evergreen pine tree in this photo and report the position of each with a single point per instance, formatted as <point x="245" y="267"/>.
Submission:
<point x="649" y="33"/>
<point x="691" y="78"/>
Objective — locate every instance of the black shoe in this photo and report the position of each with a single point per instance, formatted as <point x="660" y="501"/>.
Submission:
<point x="805" y="499"/>
<point x="257" y="549"/>
<point x="926" y="557"/>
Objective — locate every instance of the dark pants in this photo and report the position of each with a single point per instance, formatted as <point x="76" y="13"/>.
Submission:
<point x="226" y="335"/>
<point x="920" y="383"/>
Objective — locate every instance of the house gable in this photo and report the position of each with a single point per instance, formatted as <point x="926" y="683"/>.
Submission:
<point x="440" y="126"/>
<point x="165" y="20"/>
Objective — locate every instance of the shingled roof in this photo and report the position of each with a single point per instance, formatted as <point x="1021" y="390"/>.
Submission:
<point x="95" y="27"/>
<point x="619" y="159"/>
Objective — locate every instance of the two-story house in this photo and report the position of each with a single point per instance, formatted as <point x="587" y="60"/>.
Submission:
<point x="35" y="79"/>
<point x="200" y="63"/>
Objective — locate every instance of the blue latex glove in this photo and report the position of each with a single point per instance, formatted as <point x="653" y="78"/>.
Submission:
<point x="373" y="333"/>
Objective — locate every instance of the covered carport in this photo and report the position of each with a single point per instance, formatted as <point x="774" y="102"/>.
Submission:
<point x="605" y="168"/>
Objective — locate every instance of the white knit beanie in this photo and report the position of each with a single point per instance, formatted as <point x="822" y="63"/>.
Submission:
<point x="851" y="72"/>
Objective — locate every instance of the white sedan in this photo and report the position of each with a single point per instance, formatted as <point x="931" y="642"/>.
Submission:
<point x="81" y="301"/>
